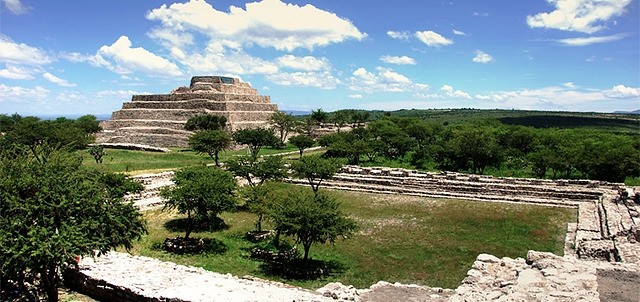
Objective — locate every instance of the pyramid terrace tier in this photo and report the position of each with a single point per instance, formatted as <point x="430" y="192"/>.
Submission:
<point x="218" y="97"/>
<point x="226" y="103"/>
<point x="183" y="115"/>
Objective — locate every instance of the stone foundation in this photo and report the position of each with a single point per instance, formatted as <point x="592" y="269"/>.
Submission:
<point x="601" y="261"/>
<point x="158" y="120"/>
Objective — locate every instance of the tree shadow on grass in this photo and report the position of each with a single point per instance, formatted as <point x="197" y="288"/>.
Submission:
<point x="211" y="225"/>
<point x="205" y="246"/>
<point x="300" y="269"/>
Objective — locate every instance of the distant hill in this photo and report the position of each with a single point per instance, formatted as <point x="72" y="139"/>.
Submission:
<point x="629" y="112"/>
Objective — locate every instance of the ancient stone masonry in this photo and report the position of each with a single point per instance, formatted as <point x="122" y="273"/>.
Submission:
<point x="158" y="120"/>
<point x="601" y="259"/>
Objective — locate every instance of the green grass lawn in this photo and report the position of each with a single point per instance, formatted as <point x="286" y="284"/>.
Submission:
<point x="401" y="239"/>
<point x="136" y="162"/>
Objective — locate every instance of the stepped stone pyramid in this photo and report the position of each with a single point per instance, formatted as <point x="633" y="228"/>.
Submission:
<point x="158" y="120"/>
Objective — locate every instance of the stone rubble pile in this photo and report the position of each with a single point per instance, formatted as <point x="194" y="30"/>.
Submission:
<point x="541" y="277"/>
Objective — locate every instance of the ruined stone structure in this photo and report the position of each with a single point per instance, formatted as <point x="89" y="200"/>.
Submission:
<point x="601" y="259"/>
<point x="158" y="120"/>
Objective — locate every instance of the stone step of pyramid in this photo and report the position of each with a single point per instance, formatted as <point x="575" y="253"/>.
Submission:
<point x="149" y="139"/>
<point x="201" y="104"/>
<point x="185" y="114"/>
<point x="111" y="125"/>
<point x="153" y="130"/>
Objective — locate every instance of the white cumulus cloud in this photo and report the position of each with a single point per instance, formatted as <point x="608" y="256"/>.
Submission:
<point x="451" y="92"/>
<point x="126" y="59"/>
<point x="482" y="57"/>
<point x="400" y="35"/>
<point x="355" y="96"/>
<point x="623" y="92"/>
<point x="15" y="6"/>
<point x="385" y="80"/>
<point x="591" y="40"/>
<point x="586" y="16"/>
<point x="20" y="94"/>
<point x="267" y="23"/>
<point x="432" y="38"/>
<point x="403" y="60"/>
<point x="307" y="63"/>
<point x="20" y="53"/>
<point x="16" y="73"/>
<point x="459" y="33"/>
<point x="322" y="80"/>
<point x="56" y="80"/>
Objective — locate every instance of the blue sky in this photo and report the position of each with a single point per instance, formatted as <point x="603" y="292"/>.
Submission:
<point x="88" y="57"/>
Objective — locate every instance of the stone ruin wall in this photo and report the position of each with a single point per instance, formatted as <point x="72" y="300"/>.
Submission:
<point x="604" y="241"/>
<point x="158" y="120"/>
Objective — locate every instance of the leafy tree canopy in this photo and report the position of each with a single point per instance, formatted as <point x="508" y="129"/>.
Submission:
<point x="210" y="142"/>
<point x="311" y="218"/>
<point x="255" y="139"/>
<point x="302" y="142"/>
<point x="282" y="123"/>
<point x="315" y="169"/>
<point x="53" y="211"/>
<point x="200" y="192"/>
<point x="206" y="122"/>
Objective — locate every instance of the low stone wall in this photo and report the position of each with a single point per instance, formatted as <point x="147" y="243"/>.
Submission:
<point x="601" y="262"/>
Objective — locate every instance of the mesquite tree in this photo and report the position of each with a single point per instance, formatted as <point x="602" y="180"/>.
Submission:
<point x="53" y="211"/>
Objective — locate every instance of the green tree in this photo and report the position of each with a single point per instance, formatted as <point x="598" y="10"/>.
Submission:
<point x="396" y="141"/>
<point x="52" y="212"/>
<point x="206" y="122"/>
<point x="319" y="116"/>
<point x="210" y="142"/>
<point x="312" y="219"/>
<point x="88" y="123"/>
<point x="302" y="142"/>
<point x="340" y="118"/>
<point x="255" y="139"/>
<point x="475" y="148"/>
<point x="202" y="193"/>
<point x="257" y="173"/>
<point x="315" y="169"/>
<point x="45" y="136"/>
<point x="97" y="152"/>
<point x="283" y="123"/>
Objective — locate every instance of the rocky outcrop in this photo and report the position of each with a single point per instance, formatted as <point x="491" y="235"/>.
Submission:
<point x="158" y="120"/>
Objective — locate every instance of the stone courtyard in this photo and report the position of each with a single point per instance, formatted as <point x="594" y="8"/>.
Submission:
<point x="601" y="261"/>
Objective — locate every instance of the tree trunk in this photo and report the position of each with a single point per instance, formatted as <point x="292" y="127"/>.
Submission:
<point x="49" y="283"/>
<point x="276" y="239"/>
<point x="259" y="223"/>
<point x="301" y="152"/>
<point x="217" y="159"/>
<point x="189" y="225"/>
<point x="306" y="246"/>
